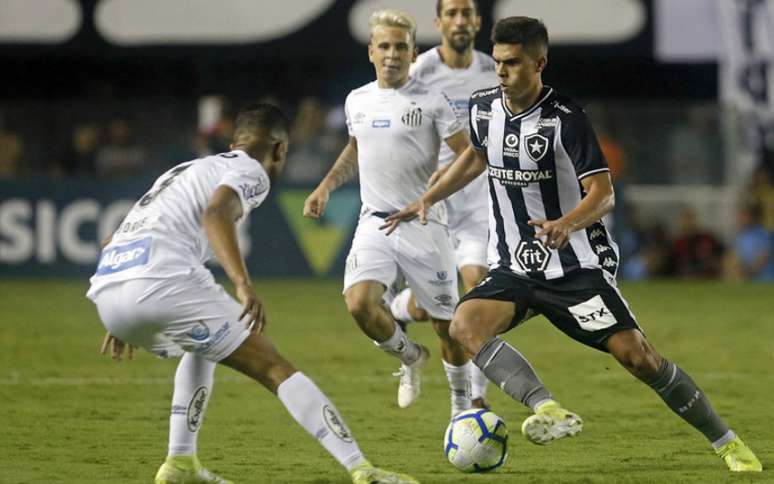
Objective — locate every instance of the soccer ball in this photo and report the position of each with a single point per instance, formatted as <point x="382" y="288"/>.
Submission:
<point x="476" y="441"/>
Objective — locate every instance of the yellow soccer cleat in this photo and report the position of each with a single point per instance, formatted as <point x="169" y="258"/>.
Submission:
<point x="186" y="470"/>
<point x="368" y="474"/>
<point x="551" y="422"/>
<point x="739" y="457"/>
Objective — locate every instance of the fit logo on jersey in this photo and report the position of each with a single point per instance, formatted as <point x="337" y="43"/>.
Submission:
<point x="532" y="256"/>
<point x="536" y="146"/>
<point x="593" y="315"/>
<point x="519" y="178"/>
<point x="123" y="257"/>
<point x="413" y="116"/>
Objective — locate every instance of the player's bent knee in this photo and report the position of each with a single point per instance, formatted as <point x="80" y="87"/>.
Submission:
<point x="462" y="332"/>
<point x="636" y="355"/>
<point x="361" y="308"/>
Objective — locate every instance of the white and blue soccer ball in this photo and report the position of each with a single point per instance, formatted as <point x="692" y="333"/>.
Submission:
<point x="476" y="441"/>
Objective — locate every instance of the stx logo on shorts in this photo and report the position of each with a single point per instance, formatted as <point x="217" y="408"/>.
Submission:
<point x="532" y="256"/>
<point x="593" y="315"/>
<point x="122" y="257"/>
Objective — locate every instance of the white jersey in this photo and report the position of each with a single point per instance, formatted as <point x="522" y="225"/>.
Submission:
<point x="398" y="132"/>
<point x="467" y="209"/>
<point x="162" y="236"/>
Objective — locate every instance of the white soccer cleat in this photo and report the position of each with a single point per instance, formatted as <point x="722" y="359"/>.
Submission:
<point x="551" y="422"/>
<point x="411" y="379"/>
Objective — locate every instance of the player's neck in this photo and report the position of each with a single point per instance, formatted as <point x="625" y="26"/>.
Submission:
<point x="524" y="102"/>
<point x="384" y="84"/>
<point x="455" y="59"/>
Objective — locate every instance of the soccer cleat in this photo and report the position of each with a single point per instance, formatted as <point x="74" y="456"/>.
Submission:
<point x="551" y="422"/>
<point x="410" y="379"/>
<point x="368" y="474"/>
<point x="186" y="470"/>
<point x="739" y="457"/>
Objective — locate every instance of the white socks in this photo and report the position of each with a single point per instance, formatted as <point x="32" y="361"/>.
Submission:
<point x="399" y="307"/>
<point x="478" y="382"/>
<point x="401" y="346"/>
<point x="459" y="384"/>
<point x="317" y="415"/>
<point x="193" y="385"/>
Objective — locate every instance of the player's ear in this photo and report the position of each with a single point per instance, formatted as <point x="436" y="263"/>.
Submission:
<point x="231" y="146"/>
<point x="437" y="23"/>
<point x="541" y="63"/>
<point x="370" y="51"/>
<point x="416" y="53"/>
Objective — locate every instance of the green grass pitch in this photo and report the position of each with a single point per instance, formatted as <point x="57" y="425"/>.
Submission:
<point x="68" y="415"/>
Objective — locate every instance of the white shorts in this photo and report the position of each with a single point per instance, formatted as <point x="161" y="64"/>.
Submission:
<point x="469" y="223"/>
<point x="170" y="316"/>
<point x="423" y="254"/>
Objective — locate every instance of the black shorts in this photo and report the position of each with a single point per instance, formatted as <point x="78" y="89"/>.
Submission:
<point x="583" y="305"/>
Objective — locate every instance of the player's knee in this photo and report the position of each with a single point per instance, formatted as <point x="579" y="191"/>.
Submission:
<point x="360" y="308"/>
<point x="462" y="332"/>
<point x="640" y="360"/>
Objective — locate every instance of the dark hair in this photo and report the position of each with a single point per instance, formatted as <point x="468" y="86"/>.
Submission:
<point x="261" y="119"/>
<point x="528" y="31"/>
<point x="439" y="5"/>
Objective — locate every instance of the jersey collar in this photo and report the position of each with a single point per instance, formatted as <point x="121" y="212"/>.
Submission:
<point x="513" y="117"/>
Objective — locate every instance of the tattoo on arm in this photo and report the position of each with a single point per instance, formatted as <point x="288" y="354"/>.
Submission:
<point x="344" y="168"/>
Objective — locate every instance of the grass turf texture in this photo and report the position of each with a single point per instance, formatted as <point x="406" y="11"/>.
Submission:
<point x="69" y="415"/>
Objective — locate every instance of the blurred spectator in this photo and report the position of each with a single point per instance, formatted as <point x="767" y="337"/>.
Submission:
<point x="752" y="254"/>
<point x="80" y="156"/>
<point x="11" y="147"/>
<point x="121" y="156"/>
<point x="695" y="146"/>
<point x="645" y="251"/>
<point x="696" y="253"/>
<point x="315" y="142"/>
<point x="760" y="192"/>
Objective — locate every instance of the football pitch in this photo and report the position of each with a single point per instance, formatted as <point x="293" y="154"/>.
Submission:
<point x="69" y="415"/>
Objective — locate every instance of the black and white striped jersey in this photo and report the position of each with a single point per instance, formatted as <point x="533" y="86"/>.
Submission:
<point x="536" y="160"/>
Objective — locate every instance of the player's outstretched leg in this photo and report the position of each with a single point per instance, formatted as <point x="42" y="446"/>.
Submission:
<point x="364" y="302"/>
<point x="193" y="386"/>
<point x="476" y="324"/>
<point x="308" y="405"/>
<point x="683" y="396"/>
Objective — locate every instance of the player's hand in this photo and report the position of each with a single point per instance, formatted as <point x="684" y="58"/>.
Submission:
<point x="118" y="347"/>
<point x="253" y="313"/>
<point x="438" y="174"/>
<point x="555" y="234"/>
<point x="315" y="203"/>
<point x="416" y="209"/>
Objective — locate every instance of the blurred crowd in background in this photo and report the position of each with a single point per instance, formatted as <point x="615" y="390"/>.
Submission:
<point x="645" y="144"/>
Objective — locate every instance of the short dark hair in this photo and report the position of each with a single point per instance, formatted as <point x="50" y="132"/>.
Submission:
<point x="439" y="6"/>
<point x="263" y="120"/>
<point x="528" y="31"/>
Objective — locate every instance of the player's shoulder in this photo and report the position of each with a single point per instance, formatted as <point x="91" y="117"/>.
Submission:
<point x="362" y="91"/>
<point x="484" y="62"/>
<point x="426" y="64"/>
<point x="563" y="107"/>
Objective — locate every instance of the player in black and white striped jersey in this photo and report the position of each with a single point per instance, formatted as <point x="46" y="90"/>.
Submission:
<point x="549" y="252"/>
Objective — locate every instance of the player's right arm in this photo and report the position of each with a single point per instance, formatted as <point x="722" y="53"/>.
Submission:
<point x="219" y="222"/>
<point x="462" y="171"/>
<point x="341" y="172"/>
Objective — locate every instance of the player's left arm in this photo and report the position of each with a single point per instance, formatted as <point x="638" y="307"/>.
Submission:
<point x="219" y="222"/>
<point x="598" y="202"/>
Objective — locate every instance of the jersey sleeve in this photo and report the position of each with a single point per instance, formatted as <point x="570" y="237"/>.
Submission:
<point x="347" y="113"/>
<point x="445" y="117"/>
<point x="474" y="127"/>
<point x="250" y="181"/>
<point x="581" y="145"/>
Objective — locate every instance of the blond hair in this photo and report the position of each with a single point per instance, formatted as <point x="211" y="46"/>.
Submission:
<point x="392" y="17"/>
